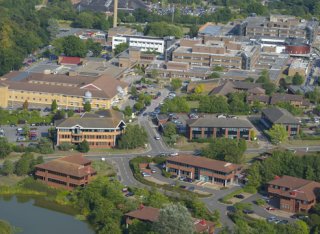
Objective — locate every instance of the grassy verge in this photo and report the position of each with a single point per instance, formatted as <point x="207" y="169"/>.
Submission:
<point x="7" y="228"/>
<point x="226" y="198"/>
<point x="305" y="143"/>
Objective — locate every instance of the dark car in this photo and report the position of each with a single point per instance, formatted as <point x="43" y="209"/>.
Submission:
<point x="173" y="176"/>
<point x="188" y="180"/>
<point x="283" y="222"/>
<point x="246" y="211"/>
<point x="182" y="186"/>
<point x="240" y="196"/>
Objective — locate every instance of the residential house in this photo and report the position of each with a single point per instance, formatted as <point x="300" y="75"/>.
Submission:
<point x="100" y="130"/>
<point x="67" y="172"/>
<point x="293" y="194"/>
<point x="276" y="115"/>
<point x="216" y="127"/>
<point x="151" y="215"/>
<point x="295" y="100"/>
<point x="203" y="169"/>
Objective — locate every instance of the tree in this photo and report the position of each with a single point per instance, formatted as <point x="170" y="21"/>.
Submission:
<point x="214" y="75"/>
<point x="65" y="146"/>
<point x="134" y="137"/>
<point x="87" y="106"/>
<point x="230" y="150"/>
<point x="174" y="219"/>
<point x="25" y="105"/>
<point x="83" y="147"/>
<point x="71" y="46"/>
<point x="7" y="167"/>
<point x="157" y="199"/>
<point x="127" y="111"/>
<point x="176" y="83"/>
<point x="297" y="79"/>
<point x="138" y="106"/>
<point x="54" y="106"/>
<point x="154" y="74"/>
<point x="53" y="28"/>
<point x="5" y="147"/>
<point x="94" y="47"/>
<point x="163" y="29"/>
<point x="253" y="135"/>
<point x="177" y="105"/>
<point x="45" y="146"/>
<point x="120" y="48"/>
<point x="24" y="164"/>
<point x="170" y="130"/>
<point x="277" y="133"/>
<point x="199" y="89"/>
<point x="133" y="91"/>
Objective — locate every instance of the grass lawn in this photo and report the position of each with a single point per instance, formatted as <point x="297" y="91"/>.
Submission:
<point x="193" y="104"/>
<point x="184" y="145"/>
<point x="252" y="144"/>
<point x="64" y="23"/>
<point x="117" y="151"/>
<point x="103" y="168"/>
<point x="301" y="143"/>
<point x="10" y="180"/>
<point x="249" y="156"/>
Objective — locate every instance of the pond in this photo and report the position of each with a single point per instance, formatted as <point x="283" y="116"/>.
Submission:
<point x="36" y="215"/>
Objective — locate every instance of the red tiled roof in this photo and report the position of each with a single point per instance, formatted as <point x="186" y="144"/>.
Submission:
<point x="203" y="162"/>
<point x="72" y="165"/>
<point x="147" y="213"/>
<point x="70" y="60"/>
<point x="298" y="188"/>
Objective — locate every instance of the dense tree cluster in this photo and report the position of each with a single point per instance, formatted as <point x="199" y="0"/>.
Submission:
<point x="284" y="163"/>
<point x="23" y="29"/>
<point x="162" y="29"/>
<point x="175" y="105"/>
<point x="135" y="136"/>
<point x="234" y="103"/>
<point x="24" y="166"/>
<point x="226" y="150"/>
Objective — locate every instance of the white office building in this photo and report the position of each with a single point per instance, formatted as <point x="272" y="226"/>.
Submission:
<point x="145" y="43"/>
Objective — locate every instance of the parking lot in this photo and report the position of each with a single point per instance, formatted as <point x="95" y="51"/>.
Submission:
<point x="10" y="132"/>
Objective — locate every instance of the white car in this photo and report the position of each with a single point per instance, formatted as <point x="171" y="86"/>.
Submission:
<point x="144" y="174"/>
<point x="174" y="154"/>
<point x="157" y="137"/>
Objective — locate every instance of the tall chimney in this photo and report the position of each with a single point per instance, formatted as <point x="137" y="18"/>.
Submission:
<point x="115" y="13"/>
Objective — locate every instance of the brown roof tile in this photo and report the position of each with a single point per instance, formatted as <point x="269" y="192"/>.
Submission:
<point x="203" y="162"/>
<point x="298" y="188"/>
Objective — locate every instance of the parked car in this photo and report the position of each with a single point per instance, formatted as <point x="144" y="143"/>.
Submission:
<point x="153" y="171"/>
<point x="239" y="196"/>
<point x="157" y="137"/>
<point x="182" y="186"/>
<point x="270" y="208"/>
<point x="129" y="194"/>
<point x="283" y="222"/>
<point x="189" y="180"/>
<point x="191" y="189"/>
<point x="174" y="154"/>
<point x="173" y="176"/>
<point x="21" y="138"/>
<point x="246" y="211"/>
<point x="144" y="174"/>
<point x="271" y="219"/>
<point x="182" y="178"/>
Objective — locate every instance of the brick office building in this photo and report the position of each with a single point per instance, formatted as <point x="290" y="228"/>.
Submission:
<point x="293" y="194"/>
<point x="203" y="169"/>
<point x="100" y="130"/>
<point x="276" y="115"/>
<point x="68" y="172"/>
<point x="215" y="127"/>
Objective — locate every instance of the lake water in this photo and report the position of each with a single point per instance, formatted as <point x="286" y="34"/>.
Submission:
<point x="36" y="215"/>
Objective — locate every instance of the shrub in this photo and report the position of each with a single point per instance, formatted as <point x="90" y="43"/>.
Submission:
<point x="65" y="146"/>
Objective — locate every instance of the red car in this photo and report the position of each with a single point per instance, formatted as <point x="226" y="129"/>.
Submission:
<point x="270" y="208"/>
